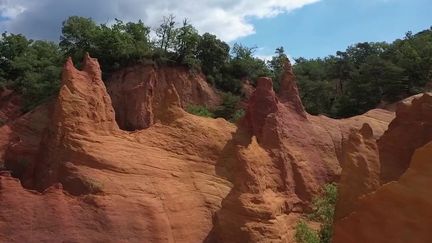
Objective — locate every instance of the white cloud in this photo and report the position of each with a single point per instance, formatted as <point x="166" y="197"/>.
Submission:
<point x="9" y="10"/>
<point x="226" y="18"/>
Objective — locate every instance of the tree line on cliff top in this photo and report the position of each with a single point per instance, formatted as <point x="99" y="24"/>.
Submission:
<point x="348" y="83"/>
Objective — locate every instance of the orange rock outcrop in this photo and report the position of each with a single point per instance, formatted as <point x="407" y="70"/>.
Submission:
<point x="182" y="179"/>
<point x="138" y="92"/>
<point x="383" y="190"/>
<point x="286" y="159"/>
<point x="288" y="90"/>
<point x="360" y="170"/>
<point x="98" y="183"/>
<point x="411" y="129"/>
<point x="399" y="211"/>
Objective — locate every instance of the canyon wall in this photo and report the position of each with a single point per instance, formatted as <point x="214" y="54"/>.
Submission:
<point x="181" y="179"/>
<point x="399" y="211"/>
<point x="383" y="190"/>
<point x="137" y="92"/>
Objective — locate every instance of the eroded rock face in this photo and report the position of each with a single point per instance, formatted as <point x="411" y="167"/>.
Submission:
<point x="118" y="186"/>
<point x="308" y="148"/>
<point x="137" y="93"/>
<point x="183" y="179"/>
<point x="262" y="103"/>
<point x="20" y="140"/>
<point x="83" y="109"/>
<point x="256" y="209"/>
<point x="289" y="93"/>
<point x="394" y="205"/>
<point x="399" y="211"/>
<point x="283" y="160"/>
<point x="360" y="170"/>
<point x="83" y="105"/>
<point x="411" y="129"/>
<point x="20" y="134"/>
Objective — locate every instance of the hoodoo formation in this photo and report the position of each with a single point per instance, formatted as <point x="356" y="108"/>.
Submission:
<point x="248" y="182"/>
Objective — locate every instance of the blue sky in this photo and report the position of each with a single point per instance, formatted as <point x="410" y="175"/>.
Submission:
<point x="306" y="28"/>
<point x="322" y="28"/>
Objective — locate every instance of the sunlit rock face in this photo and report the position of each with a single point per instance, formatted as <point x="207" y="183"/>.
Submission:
<point x="177" y="177"/>
<point x="138" y="92"/>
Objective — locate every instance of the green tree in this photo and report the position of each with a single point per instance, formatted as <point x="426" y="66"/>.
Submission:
<point x="166" y="33"/>
<point x="366" y="74"/>
<point x="245" y="66"/>
<point x="115" y="46"/>
<point x="186" y="44"/>
<point x="317" y="88"/>
<point x="276" y="65"/>
<point x="78" y="36"/>
<point x="31" y="68"/>
<point x="213" y="55"/>
<point x="40" y="68"/>
<point x="11" y="47"/>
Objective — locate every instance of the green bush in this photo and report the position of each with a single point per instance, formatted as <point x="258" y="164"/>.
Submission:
<point x="227" y="110"/>
<point x="323" y="212"/>
<point x="324" y="209"/>
<point x="238" y="114"/>
<point x="199" y="110"/>
<point x="31" y="68"/>
<point x="304" y="234"/>
<point x="229" y="106"/>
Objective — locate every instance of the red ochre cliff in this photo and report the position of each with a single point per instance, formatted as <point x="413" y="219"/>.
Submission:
<point x="182" y="179"/>
<point x="137" y="92"/>
<point x="384" y="191"/>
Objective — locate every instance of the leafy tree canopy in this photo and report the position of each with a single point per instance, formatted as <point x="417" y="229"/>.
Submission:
<point x="345" y="84"/>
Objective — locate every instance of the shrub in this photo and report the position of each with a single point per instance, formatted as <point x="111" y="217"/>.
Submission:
<point x="93" y="186"/>
<point x="323" y="212"/>
<point x="304" y="234"/>
<point x="199" y="110"/>
<point x="238" y="114"/>
<point x="229" y="106"/>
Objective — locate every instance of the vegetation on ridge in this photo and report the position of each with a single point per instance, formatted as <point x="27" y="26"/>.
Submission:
<point x="365" y="75"/>
<point x="348" y="83"/>
<point x="229" y="109"/>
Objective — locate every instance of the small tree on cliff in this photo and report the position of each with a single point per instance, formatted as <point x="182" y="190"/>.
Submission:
<point x="276" y="65"/>
<point x="166" y="33"/>
<point x="186" y="43"/>
<point x="115" y="45"/>
<point x="78" y="36"/>
<point x="212" y="53"/>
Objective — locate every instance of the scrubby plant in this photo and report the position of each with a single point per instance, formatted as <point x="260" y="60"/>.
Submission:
<point x="93" y="186"/>
<point x="238" y="114"/>
<point x="304" y="234"/>
<point x="323" y="212"/>
<point x="228" y="107"/>
<point x="199" y="110"/>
